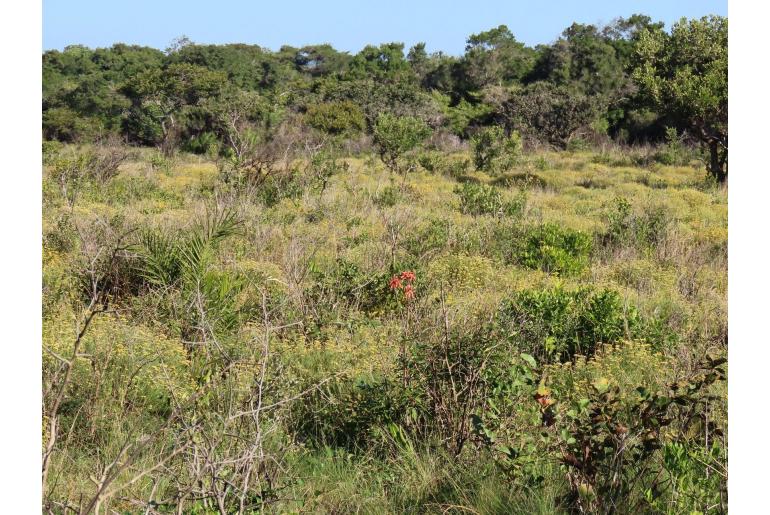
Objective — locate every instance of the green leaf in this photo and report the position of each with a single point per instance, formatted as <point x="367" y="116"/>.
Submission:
<point x="529" y="360"/>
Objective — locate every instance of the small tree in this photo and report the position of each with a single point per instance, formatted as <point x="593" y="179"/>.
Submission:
<point x="550" y="112"/>
<point x="493" y="150"/>
<point x="248" y="125"/>
<point x="684" y="75"/>
<point x="397" y="135"/>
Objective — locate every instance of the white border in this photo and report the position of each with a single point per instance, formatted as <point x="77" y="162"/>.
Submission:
<point x="20" y="215"/>
<point x="20" y="257"/>
<point x="749" y="198"/>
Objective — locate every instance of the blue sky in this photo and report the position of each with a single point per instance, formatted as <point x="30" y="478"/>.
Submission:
<point x="347" y="25"/>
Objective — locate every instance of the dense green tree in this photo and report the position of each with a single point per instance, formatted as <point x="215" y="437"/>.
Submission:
<point x="419" y="60"/>
<point x="318" y="60"/>
<point x="403" y="97"/>
<point x="160" y="97"/>
<point x="381" y="63"/>
<point x="120" y="62"/>
<point x="494" y="57"/>
<point x="583" y="79"/>
<point x="394" y="136"/>
<point x="246" y="66"/>
<point x="584" y="59"/>
<point x="441" y="75"/>
<point x="624" y="33"/>
<point x="684" y="74"/>
<point x="64" y="124"/>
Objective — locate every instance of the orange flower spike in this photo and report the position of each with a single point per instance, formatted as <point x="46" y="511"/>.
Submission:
<point x="408" y="276"/>
<point x="395" y="283"/>
<point x="409" y="291"/>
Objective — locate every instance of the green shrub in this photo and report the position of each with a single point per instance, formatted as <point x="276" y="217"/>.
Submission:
<point x="610" y="444"/>
<point x="541" y="163"/>
<point x="432" y="161"/>
<point x="349" y="414"/>
<point x="673" y="153"/>
<point x="278" y="187"/>
<point x="457" y="168"/>
<point x="493" y="151"/>
<point x="387" y="197"/>
<point x="457" y="369"/>
<point x="549" y="247"/>
<point x="695" y="476"/>
<point x="342" y="118"/>
<point x="430" y="238"/>
<point x="394" y="136"/>
<point x="344" y="286"/>
<point x="556" y="324"/>
<point x="205" y="143"/>
<point x="51" y="148"/>
<point x="160" y="163"/>
<point x="480" y="199"/>
<point x="64" y="124"/>
<point x="645" y="230"/>
<point x="322" y="167"/>
<point x="578" y="145"/>
<point x="125" y="189"/>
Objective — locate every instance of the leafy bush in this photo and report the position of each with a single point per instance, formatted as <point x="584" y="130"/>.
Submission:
<point x="76" y="170"/>
<point x="343" y="286"/>
<point x="557" y="324"/>
<point x="432" y="161"/>
<point x="549" y="247"/>
<point x="696" y="476"/>
<point x="349" y="414"/>
<point x="674" y="152"/>
<point x="609" y="442"/>
<point x="160" y="163"/>
<point x="577" y="145"/>
<point x="336" y="118"/>
<point x="493" y="151"/>
<point x="322" y="167"/>
<point x="456" y="370"/>
<point x="206" y="143"/>
<point x="549" y="112"/>
<point x="51" y="148"/>
<point x="645" y="230"/>
<point x="460" y="272"/>
<point x="387" y="197"/>
<point x="430" y="238"/>
<point x="180" y="268"/>
<point x="394" y="136"/>
<point x="64" y="124"/>
<point x="279" y="186"/>
<point x="480" y="199"/>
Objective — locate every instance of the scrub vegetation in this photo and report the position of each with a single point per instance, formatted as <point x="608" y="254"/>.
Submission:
<point x="305" y="281"/>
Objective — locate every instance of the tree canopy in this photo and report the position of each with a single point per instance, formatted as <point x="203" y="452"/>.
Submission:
<point x="629" y="80"/>
<point x="684" y="75"/>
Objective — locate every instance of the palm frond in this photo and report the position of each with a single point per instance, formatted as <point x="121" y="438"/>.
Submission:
<point x="219" y="224"/>
<point x="159" y="260"/>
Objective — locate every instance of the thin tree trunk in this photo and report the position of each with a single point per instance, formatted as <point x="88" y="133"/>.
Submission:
<point x="717" y="163"/>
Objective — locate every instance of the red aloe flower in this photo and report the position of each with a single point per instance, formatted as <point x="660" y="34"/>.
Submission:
<point x="409" y="291"/>
<point x="395" y="283"/>
<point x="408" y="276"/>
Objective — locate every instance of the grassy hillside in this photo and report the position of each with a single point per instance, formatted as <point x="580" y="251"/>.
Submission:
<point x="555" y="344"/>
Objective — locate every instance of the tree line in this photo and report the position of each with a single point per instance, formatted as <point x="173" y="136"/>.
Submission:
<point x="631" y="82"/>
